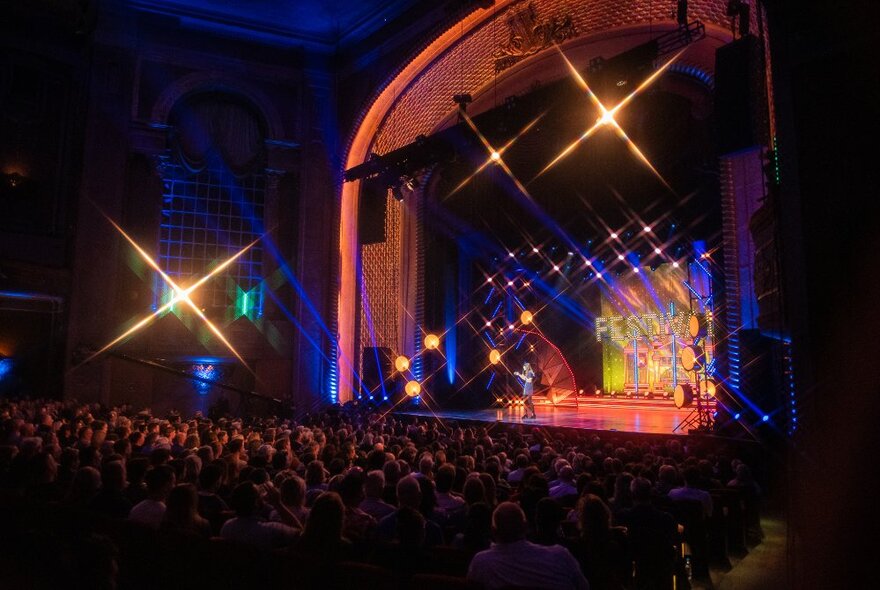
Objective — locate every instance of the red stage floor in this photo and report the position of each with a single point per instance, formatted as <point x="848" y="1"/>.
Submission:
<point x="620" y="417"/>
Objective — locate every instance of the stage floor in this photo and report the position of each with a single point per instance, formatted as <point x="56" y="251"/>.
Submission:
<point x="645" y="420"/>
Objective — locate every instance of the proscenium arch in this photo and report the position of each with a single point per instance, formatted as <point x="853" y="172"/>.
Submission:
<point x="418" y="99"/>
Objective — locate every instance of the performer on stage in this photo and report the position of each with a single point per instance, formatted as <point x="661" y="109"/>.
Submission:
<point x="527" y="376"/>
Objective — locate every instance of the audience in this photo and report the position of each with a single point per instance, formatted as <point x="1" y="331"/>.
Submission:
<point x="377" y="484"/>
<point x="514" y="561"/>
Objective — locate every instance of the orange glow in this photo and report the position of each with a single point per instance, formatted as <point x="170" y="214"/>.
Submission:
<point x="606" y="116"/>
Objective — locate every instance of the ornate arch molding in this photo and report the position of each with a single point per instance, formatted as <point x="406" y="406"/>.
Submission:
<point x="463" y="59"/>
<point x="211" y="82"/>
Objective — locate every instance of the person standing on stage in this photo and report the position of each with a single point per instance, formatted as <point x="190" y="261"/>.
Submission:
<point x="527" y="376"/>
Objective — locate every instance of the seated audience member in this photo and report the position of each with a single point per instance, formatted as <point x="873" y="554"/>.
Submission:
<point x="151" y="511"/>
<point x="564" y="486"/>
<point x="181" y="512"/>
<point x="512" y="561"/>
<point x="293" y="496"/>
<point x="477" y="534"/>
<point x="374" y="486"/>
<point x="83" y="488"/>
<point x="691" y="492"/>
<point x="409" y="494"/>
<point x="650" y="536"/>
<point x="548" y="519"/>
<point x="323" y="536"/>
<point x="248" y="527"/>
<point x="111" y="499"/>
<point x="447" y="501"/>
<point x="211" y="506"/>
<point x="600" y="548"/>
<point x="358" y="524"/>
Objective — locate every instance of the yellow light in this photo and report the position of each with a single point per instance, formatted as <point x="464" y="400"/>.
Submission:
<point x="432" y="341"/>
<point x="413" y="388"/>
<point x="401" y="363"/>
<point x="526" y="317"/>
<point x="494" y="357"/>
<point x="495" y="156"/>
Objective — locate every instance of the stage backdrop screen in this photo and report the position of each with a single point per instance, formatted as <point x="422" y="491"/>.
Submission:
<point x="639" y="314"/>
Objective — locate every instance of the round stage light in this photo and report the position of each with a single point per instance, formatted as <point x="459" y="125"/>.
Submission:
<point x="635" y="269"/>
<point x="697" y="326"/>
<point x="598" y="275"/>
<point x="526" y="317"/>
<point x="413" y="388"/>
<point x="535" y="250"/>
<point x="432" y="341"/>
<point x="707" y="388"/>
<point x="658" y="251"/>
<point x="674" y="265"/>
<point x="511" y="327"/>
<point x="495" y="156"/>
<point x="401" y="363"/>
<point x="613" y="235"/>
<point x="488" y="324"/>
<point x="510" y="283"/>
<point x="620" y="256"/>
<point x="556" y="267"/>
<point x="494" y="357"/>
<point x="647" y="229"/>
<point x="683" y="396"/>
<point x="589" y="262"/>
<point x="691" y="357"/>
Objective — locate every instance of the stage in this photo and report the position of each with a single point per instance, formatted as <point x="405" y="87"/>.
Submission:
<point x="630" y="416"/>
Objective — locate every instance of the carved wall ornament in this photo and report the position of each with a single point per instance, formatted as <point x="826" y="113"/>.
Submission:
<point x="528" y="35"/>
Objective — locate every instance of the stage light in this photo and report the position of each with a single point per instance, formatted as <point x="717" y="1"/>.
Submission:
<point x="736" y="416"/>
<point x="765" y="418"/>
<point x="556" y="267"/>
<point x="413" y="388"/>
<point x="535" y="250"/>
<point x="488" y="324"/>
<point x="494" y="356"/>
<point x="401" y="363"/>
<point x="598" y="275"/>
<point x="510" y="283"/>
<point x="495" y="156"/>
<point x="620" y="256"/>
<point x="647" y="229"/>
<point x="675" y="265"/>
<point x="526" y="317"/>
<point x="489" y="280"/>
<point x="613" y="235"/>
<point x="570" y="253"/>
<point x="658" y="251"/>
<point x="511" y="255"/>
<point x="432" y="341"/>
<point x="635" y="269"/>
<point x="589" y="262"/>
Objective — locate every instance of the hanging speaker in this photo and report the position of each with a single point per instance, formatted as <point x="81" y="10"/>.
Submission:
<point x="683" y="395"/>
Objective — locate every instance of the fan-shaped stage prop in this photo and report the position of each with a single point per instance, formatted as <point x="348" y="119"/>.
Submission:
<point x="555" y="380"/>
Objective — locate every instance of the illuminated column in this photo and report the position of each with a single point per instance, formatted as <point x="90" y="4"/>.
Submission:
<point x="674" y="347"/>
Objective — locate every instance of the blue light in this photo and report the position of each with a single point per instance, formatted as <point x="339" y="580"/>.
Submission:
<point x="765" y="418"/>
<point x="5" y="368"/>
<point x="736" y="416"/>
<point x="204" y="371"/>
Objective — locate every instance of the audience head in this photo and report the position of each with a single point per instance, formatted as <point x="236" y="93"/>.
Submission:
<point x="509" y="523"/>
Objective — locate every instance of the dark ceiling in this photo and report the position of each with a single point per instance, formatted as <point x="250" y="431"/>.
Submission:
<point x="324" y="24"/>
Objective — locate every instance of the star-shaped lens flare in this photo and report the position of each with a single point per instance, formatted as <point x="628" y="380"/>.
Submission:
<point x="181" y="294"/>
<point x="495" y="156"/>
<point x="606" y="116"/>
